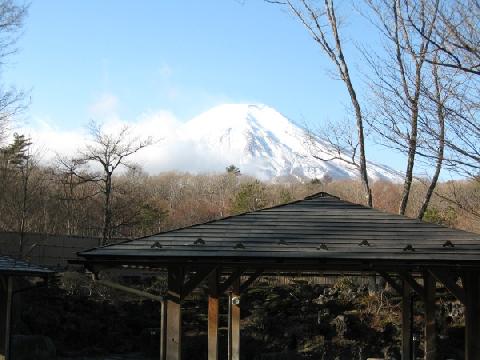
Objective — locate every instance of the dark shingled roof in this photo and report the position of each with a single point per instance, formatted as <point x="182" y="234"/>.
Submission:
<point x="320" y="228"/>
<point x="13" y="267"/>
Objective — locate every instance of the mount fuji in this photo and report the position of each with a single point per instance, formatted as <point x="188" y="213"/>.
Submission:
<point x="263" y="143"/>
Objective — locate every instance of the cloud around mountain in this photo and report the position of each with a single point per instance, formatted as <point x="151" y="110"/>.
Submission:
<point x="256" y="138"/>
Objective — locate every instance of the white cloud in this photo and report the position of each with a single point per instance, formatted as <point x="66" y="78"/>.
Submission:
<point x="171" y="150"/>
<point x="105" y="107"/>
<point x="168" y="152"/>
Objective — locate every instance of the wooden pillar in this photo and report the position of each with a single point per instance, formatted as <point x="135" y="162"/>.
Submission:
<point x="429" y="286"/>
<point x="6" y="293"/>
<point x="163" y="330"/>
<point x="174" y="315"/>
<point x="234" y="322"/>
<point x="471" y="284"/>
<point x="213" y="310"/>
<point x="406" y="322"/>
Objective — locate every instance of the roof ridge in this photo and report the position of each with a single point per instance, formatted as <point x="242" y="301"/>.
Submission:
<point x="320" y="194"/>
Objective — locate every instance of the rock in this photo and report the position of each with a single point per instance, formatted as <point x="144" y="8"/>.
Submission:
<point x="321" y="300"/>
<point x="28" y="347"/>
<point x="340" y="325"/>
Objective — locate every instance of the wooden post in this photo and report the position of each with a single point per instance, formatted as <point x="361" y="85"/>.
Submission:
<point x="406" y="322"/>
<point x="6" y="293"/>
<point x="429" y="286"/>
<point x="163" y="330"/>
<point x="176" y="277"/>
<point x="229" y="326"/>
<point x="471" y="284"/>
<point x="235" y="321"/>
<point x="213" y="310"/>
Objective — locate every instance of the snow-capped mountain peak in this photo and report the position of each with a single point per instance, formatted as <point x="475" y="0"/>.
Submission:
<point x="264" y="143"/>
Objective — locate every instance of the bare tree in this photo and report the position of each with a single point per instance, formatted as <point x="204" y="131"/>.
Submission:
<point x="323" y="26"/>
<point x="455" y="44"/>
<point x="456" y="35"/>
<point x="439" y="99"/>
<point x="12" y="16"/>
<point x="71" y="177"/>
<point x="457" y="38"/>
<point x="399" y="77"/>
<point x="110" y="151"/>
<point x="25" y="185"/>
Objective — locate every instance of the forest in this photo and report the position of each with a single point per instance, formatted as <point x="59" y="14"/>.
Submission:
<point x="66" y="200"/>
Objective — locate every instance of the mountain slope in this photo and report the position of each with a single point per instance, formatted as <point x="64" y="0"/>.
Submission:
<point x="264" y="143"/>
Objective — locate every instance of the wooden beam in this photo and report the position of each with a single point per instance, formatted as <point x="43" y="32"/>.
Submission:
<point x="450" y="284"/>
<point x="406" y="321"/>
<point x="413" y="284"/>
<point x="200" y="275"/>
<point x="391" y="281"/>
<point x="213" y="312"/>
<point x="471" y="284"/>
<point x="231" y="279"/>
<point x="430" y="323"/>
<point x="129" y="290"/>
<point x="176" y="276"/>
<point x="250" y="280"/>
<point x="6" y="296"/>
<point x="234" y="323"/>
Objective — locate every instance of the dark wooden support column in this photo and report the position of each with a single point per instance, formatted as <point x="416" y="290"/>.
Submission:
<point x="213" y="311"/>
<point x="406" y="321"/>
<point x="234" y="322"/>
<point x="471" y="285"/>
<point x="429" y="286"/>
<point x="176" y="277"/>
<point x="6" y="293"/>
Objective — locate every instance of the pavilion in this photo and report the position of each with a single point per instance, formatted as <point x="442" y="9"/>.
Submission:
<point x="9" y="270"/>
<point x="320" y="233"/>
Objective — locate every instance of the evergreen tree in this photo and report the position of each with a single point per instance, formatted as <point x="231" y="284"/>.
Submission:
<point x="250" y="197"/>
<point x="232" y="169"/>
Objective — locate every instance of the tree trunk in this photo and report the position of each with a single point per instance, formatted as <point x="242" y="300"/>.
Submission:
<point x="107" y="211"/>
<point x="412" y="150"/>
<point x="361" y="140"/>
<point x="441" y="146"/>
<point x="24" y="208"/>
<point x="345" y="74"/>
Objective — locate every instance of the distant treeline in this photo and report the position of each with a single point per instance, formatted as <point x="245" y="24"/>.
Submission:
<point x="59" y="200"/>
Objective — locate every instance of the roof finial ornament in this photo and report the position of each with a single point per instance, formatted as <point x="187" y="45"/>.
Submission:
<point x="409" y="247"/>
<point x="156" y="245"/>
<point x="199" y="241"/>
<point x="448" y="244"/>
<point x="322" y="246"/>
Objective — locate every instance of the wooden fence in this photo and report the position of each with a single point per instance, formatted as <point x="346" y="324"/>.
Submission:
<point x="44" y="249"/>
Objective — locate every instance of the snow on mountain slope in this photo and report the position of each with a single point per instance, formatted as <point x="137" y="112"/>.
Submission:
<point x="264" y="143"/>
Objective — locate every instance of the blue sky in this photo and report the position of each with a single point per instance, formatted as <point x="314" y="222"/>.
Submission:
<point x="81" y="59"/>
